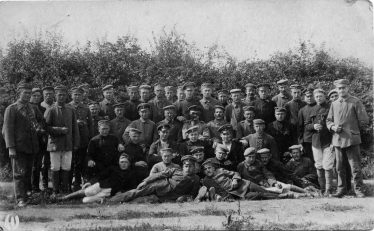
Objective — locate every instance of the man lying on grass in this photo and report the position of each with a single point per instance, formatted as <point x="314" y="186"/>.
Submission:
<point x="169" y="185"/>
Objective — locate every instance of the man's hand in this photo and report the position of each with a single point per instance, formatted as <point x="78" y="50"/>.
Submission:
<point x="244" y="142"/>
<point x="121" y="148"/>
<point x="12" y="153"/>
<point x="141" y="164"/>
<point x="91" y="163"/>
<point x="227" y="162"/>
<point x="181" y="118"/>
<point x="141" y="185"/>
<point x="64" y="130"/>
<point x="336" y="129"/>
<point x="317" y="127"/>
<point x="234" y="184"/>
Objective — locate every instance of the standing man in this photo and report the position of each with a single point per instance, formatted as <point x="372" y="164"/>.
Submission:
<point x="145" y="93"/>
<point x="250" y="91"/>
<point x="106" y="106"/>
<point x="207" y="102"/>
<point x="131" y="111"/>
<point x="219" y="120"/>
<point x="95" y="109"/>
<point x="223" y="97"/>
<point x="305" y="136"/>
<point x="234" y="112"/>
<point x="119" y="124"/>
<point x="158" y="103"/>
<point x="245" y="127"/>
<point x="346" y="117"/>
<point x="294" y="105"/>
<point x="264" y="107"/>
<point x="170" y="94"/>
<point x="183" y="105"/>
<point x="86" y="91"/>
<point x="175" y="132"/>
<point x="85" y="125"/>
<point x="20" y="133"/>
<point x="284" y="96"/>
<point x="180" y="94"/>
<point x="63" y="138"/>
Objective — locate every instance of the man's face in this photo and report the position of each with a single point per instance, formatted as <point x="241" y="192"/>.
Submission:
<point x="218" y="114"/>
<point x="308" y="98"/>
<point x="282" y="88"/>
<point x="263" y="92"/>
<point x="169" y="114"/>
<point x="194" y="115"/>
<point x="249" y="115"/>
<point x="265" y="158"/>
<point x="94" y="110"/>
<point x="36" y="97"/>
<point x="259" y="128"/>
<point x="189" y="91"/>
<point x="342" y="91"/>
<point x="86" y="92"/>
<point x="320" y="98"/>
<point x="188" y="168"/>
<point x="296" y="94"/>
<point x="119" y="111"/>
<point x="193" y="136"/>
<point x="250" y="91"/>
<point x="104" y="130"/>
<point x="235" y="97"/>
<point x="296" y="154"/>
<point x="61" y="97"/>
<point x="108" y="94"/>
<point x="222" y="98"/>
<point x="221" y="155"/>
<point x="226" y="136"/>
<point x="207" y="92"/>
<point x="199" y="156"/>
<point x="134" y="137"/>
<point x="169" y="94"/>
<point x="48" y="96"/>
<point x="144" y="113"/>
<point x="280" y="116"/>
<point x="250" y="159"/>
<point x="166" y="157"/>
<point x="209" y="170"/>
<point x="124" y="164"/>
<point x="180" y="94"/>
<point x="133" y="95"/>
<point x="159" y="92"/>
<point x="76" y="97"/>
<point x="25" y="95"/>
<point x="164" y="134"/>
<point x="333" y="97"/>
<point x="144" y="94"/>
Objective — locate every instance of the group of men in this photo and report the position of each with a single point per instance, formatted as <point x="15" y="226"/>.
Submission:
<point x="256" y="139"/>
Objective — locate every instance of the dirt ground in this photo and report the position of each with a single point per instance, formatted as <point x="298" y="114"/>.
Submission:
<point x="316" y="213"/>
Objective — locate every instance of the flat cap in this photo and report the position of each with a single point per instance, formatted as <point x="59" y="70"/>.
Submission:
<point x="282" y="81"/>
<point x="235" y="90"/>
<point x="258" y="121"/>
<point x="223" y="91"/>
<point x="93" y="104"/>
<point x="36" y="89"/>
<point x="24" y="85"/>
<point x="341" y="82"/>
<point x="192" y="129"/>
<point x="308" y="91"/>
<point x="169" y="107"/>
<point x="77" y="90"/>
<point x="188" y="84"/>
<point x="333" y="91"/>
<point x="103" y="122"/>
<point x="211" y="161"/>
<point x="263" y="85"/>
<point x="125" y="156"/>
<point x="132" y="88"/>
<point x="48" y="88"/>
<point x="169" y="88"/>
<point x="135" y="130"/>
<point x="295" y="86"/>
<point x="84" y="85"/>
<point x="221" y="148"/>
<point x="296" y="146"/>
<point x="193" y="108"/>
<point x="119" y="105"/>
<point x="206" y="85"/>
<point x="197" y="149"/>
<point x="188" y="158"/>
<point x="250" y="151"/>
<point x="319" y="90"/>
<point x="143" y="106"/>
<point x="107" y="87"/>
<point x="249" y="108"/>
<point x="263" y="151"/>
<point x="280" y="109"/>
<point x="145" y="86"/>
<point x="225" y="127"/>
<point x="219" y="106"/>
<point x="158" y="87"/>
<point x="163" y="126"/>
<point x="61" y="88"/>
<point x="250" y="85"/>
<point x="166" y="150"/>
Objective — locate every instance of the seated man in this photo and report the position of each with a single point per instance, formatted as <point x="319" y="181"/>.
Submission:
<point x="234" y="147"/>
<point x="194" y="141"/>
<point x="198" y="154"/>
<point x="245" y="127"/>
<point x="166" y="163"/>
<point x="170" y="185"/>
<point x="110" y="181"/>
<point x="226" y="185"/>
<point x="221" y="157"/>
<point x="302" y="167"/>
<point x="102" y="151"/>
<point x="194" y="115"/>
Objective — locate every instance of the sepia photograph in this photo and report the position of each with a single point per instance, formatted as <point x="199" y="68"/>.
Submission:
<point x="186" y="115"/>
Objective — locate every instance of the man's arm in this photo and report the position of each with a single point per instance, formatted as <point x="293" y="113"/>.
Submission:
<point x="8" y="127"/>
<point x="362" y="116"/>
<point x="160" y="175"/>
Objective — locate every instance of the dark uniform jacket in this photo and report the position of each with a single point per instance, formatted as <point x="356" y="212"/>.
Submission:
<point x="264" y="109"/>
<point x="135" y="151"/>
<point x="321" y="138"/>
<point x="304" y="134"/>
<point x="207" y="106"/>
<point x="213" y="126"/>
<point x="234" y="114"/>
<point x="117" y="179"/>
<point x="245" y="128"/>
<point x="157" y="111"/>
<point x="189" y="146"/>
<point x="175" y="132"/>
<point x="147" y="127"/>
<point x="107" y="109"/>
<point x="118" y="127"/>
<point x="293" y="107"/>
<point x="182" y="106"/>
<point x="57" y="117"/>
<point x="84" y="120"/>
<point x="264" y="141"/>
<point x="281" y="99"/>
<point x="21" y="121"/>
<point x="131" y="111"/>
<point x="304" y="168"/>
<point x="104" y="151"/>
<point x="154" y="152"/>
<point x="284" y="135"/>
<point x="283" y="174"/>
<point x="257" y="173"/>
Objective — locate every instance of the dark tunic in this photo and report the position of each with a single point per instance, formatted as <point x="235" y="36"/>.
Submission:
<point x="245" y="128"/>
<point x="107" y="109"/>
<point x="264" y="141"/>
<point x="264" y="109"/>
<point x="84" y="121"/>
<point x="154" y="152"/>
<point x="117" y="179"/>
<point x="104" y="151"/>
<point x="118" y="127"/>
<point x="303" y="169"/>
<point x="157" y="112"/>
<point x="213" y="126"/>
<point x="234" y="114"/>
<point x="175" y="132"/>
<point x="304" y="115"/>
<point x="257" y="173"/>
<point x="281" y="99"/>
<point x="321" y="138"/>
<point x="293" y="107"/>
<point x="189" y="145"/>
<point x="182" y="106"/>
<point x="131" y="111"/>
<point x="207" y="106"/>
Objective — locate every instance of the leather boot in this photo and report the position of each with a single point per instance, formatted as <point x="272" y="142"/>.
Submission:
<point x="321" y="179"/>
<point x="55" y="183"/>
<point x="65" y="175"/>
<point x="328" y="176"/>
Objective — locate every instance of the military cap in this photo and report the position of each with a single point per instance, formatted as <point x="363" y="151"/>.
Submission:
<point x="282" y="81"/>
<point x="188" y="158"/>
<point x="169" y="88"/>
<point x="119" y="105"/>
<point x="308" y="90"/>
<point x="296" y="146"/>
<point x="332" y="92"/>
<point x="103" y="122"/>
<point x="166" y="150"/>
<point x="93" y="104"/>
<point x="142" y="106"/>
<point x="263" y="85"/>
<point x="158" y="87"/>
<point x="135" y="130"/>
<point x="145" y="86"/>
<point x="188" y="84"/>
<point x="341" y="82"/>
<point x="225" y="127"/>
<point x="192" y="129"/>
<point x="48" y="88"/>
<point x="61" y="88"/>
<point x="236" y="90"/>
<point x="107" y="87"/>
<point x="85" y="85"/>
<point x="223" y="91"/>
<point x="263" y="151"/>
<point x="197" y="149"/>
<point x="206" y="85"/>
<point x="221" y="148"/>
<point x="249" y="151"/>
<point x="169" y="107"/>
<point x="219" y="106"/>
<point x="193" y="108"/>
<point x="280" y="109"/>
<point x="125" y="156"/>
<point x="250" y="85"/>
<point x="180" y="88"/>
<point x="132" y="88"/>
<point x="36" y="89"/>
<point x="258" y="121"/>
<point x="295" y="86"/>
<point x="319" y="90"/>
<point x="163" y="126"/>
<point x="77" y="90"/>
<point x="248" y="108"/>
<point x="24" y="85"/>
<point x="211" y="161"/>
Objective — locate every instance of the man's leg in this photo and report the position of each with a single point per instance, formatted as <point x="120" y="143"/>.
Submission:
<point x="65" y="168"/>
<point x="340" y="169"/>
<point x="348" y="173"/>
<point x="78" y="164"/>
<point x="308" y="150"/>
<point x="19" y="175"/>
<point x="55" y="158"/>
<point x="37" y="166"/>
<point x="328" y="164"/>
<point x="135" y="193"/>
<point x="45" y="169"/>
<point x="318" y="157"/>
<point x="354" y="159"/>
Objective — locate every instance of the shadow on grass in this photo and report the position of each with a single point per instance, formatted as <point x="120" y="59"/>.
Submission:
<point x="338" y="208"/>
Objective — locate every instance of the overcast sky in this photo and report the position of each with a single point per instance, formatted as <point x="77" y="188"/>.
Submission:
<point x="244" y="28"/>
